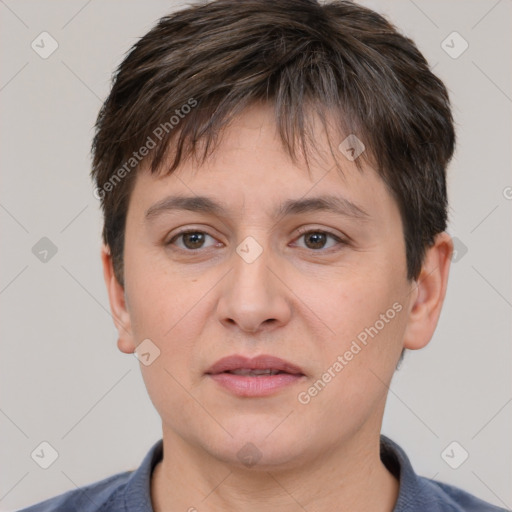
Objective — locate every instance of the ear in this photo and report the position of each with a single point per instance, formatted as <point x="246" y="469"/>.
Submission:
<point x="117" y="300"/>
<point x="429" y="291"/>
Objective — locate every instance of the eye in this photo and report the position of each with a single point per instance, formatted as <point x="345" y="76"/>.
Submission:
<point x="191" y="239"/>
<point x="316" y="238"/>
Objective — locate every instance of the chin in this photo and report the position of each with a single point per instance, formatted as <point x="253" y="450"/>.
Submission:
<point x="259" y="445"/>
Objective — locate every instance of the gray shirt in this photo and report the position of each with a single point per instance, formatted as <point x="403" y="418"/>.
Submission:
<point x="130" y="491"/>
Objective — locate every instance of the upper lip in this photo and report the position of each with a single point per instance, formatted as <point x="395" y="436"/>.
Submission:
<point x="261" y="362"/>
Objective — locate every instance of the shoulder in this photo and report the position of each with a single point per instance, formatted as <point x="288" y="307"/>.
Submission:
<point x="128" y="491"/>
<point x="101" y="496"/>
<point x="420" y="493"/>
<point x="448" y="498"/>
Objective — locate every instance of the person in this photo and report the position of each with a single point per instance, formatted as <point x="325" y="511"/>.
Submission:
<point x="273" y="182"/>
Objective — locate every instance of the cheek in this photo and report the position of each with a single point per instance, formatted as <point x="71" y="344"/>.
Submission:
<point x="167" y="312"/>
<point x="366" y="318"/>
<point x="171" y="311"/>
<point x="357" y="362"/>
<point x="157" y="300"/>
<point x="348" y="304"/>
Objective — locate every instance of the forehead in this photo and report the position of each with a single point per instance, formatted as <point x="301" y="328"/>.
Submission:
<point x="250" y="170"/>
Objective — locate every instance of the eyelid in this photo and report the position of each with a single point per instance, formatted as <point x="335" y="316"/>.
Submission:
<point x="308" y="229"/>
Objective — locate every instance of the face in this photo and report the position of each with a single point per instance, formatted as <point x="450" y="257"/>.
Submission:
<point x="324" y="289"/>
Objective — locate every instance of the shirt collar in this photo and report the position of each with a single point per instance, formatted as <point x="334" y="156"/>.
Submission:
<point x="137" y="492"/>
<point x="397" y="462"/>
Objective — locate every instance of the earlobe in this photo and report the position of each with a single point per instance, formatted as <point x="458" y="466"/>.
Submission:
<point x="117" y="301"/>
<point x="429" y="294"/>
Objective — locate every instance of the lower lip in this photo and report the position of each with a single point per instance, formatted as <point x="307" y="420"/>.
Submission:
<point x="263" y="385"/>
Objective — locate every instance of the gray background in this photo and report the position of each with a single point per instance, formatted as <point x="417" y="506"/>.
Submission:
<point x="62" y="378"/>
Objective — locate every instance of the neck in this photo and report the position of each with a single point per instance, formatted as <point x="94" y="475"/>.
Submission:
<point x="351" y="477"/>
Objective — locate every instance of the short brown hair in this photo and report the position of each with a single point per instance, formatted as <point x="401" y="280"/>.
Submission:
<point x="301" y="57"/>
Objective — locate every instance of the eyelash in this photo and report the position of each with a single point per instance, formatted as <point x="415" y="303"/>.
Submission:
<point x="301" y="232"/>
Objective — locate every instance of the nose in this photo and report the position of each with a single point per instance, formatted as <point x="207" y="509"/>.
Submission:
<point x="254" y="296"/>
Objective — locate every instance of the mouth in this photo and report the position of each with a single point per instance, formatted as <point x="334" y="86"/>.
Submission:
<point x="248" y="372"/>
<point x="260" y="376"/>
<point x="254" y="367"/>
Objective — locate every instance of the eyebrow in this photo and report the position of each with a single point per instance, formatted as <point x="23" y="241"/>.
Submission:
<point x="203" y="204"/>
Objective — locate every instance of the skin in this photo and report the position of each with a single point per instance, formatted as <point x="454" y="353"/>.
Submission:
<point x="299" y="300"/>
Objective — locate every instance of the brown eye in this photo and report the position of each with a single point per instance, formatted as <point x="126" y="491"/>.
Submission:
<point x="193" y="240"/>
<point x="317" y="239"/>
<point x="190" y="240"/>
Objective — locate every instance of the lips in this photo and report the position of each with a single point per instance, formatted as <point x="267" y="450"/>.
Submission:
<point x="258" y="377"/>
<point x="263" y="365"/>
